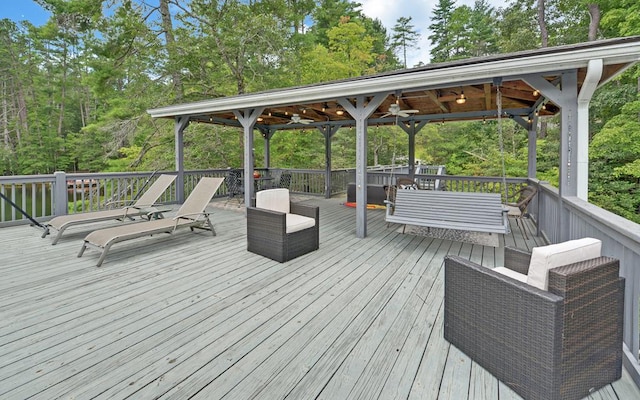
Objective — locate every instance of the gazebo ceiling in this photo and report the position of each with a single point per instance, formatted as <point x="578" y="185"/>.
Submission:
<point x="432" y="90"/>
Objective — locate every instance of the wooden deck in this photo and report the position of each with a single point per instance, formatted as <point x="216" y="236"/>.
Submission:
<point x="195" y="316"/>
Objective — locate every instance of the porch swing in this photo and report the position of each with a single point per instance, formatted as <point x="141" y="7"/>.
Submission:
<point x="467" y="211"/>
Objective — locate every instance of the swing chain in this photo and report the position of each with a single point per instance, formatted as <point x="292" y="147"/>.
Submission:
<point x="501" y="140"/>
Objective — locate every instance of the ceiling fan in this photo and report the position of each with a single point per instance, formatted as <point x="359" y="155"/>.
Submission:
<point x="296" y="119"/>
<point x="394" y="109"/>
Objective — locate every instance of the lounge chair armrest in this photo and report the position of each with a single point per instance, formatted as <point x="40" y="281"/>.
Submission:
<point x="517" y="260"/>
<point x="305" y="210"/>
<point x="204" y="214"/>
<point x="119" y="203"/>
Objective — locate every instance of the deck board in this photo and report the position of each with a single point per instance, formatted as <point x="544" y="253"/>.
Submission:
<point x="190" y="315"/>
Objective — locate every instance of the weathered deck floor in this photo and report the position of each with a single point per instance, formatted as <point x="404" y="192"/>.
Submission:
<point x="195" y="316"/>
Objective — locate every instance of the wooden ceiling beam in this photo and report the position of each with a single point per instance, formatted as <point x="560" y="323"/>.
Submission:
<point x="434" y="97"/>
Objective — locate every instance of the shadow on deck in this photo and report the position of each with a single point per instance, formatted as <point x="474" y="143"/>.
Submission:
<point x="195" y="316"/>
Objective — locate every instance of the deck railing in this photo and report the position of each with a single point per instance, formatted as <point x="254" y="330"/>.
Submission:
<point x="620" y="239"/>
<point x="43" y="196"/>
<point x="452" y="183"/>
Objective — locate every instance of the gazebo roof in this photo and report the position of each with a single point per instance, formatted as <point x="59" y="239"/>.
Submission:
<point x="431" y="89"/>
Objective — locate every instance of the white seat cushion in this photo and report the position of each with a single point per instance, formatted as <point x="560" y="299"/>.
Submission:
<point x="274" y="200"/>
<point x="511" y="273"/>
<point x="297" y="223"/>
<point x="547" y="257"/>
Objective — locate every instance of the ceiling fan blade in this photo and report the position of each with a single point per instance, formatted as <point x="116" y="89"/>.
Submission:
<point x="402" y="114"/>
<point x="385" y="115"/>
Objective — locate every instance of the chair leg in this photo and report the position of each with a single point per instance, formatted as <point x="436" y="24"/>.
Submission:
<point x="520" y="225"/>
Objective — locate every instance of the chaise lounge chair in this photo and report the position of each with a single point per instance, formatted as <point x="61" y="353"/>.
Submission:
<point x="192" y="214"/>
<point x="140" y="207"/>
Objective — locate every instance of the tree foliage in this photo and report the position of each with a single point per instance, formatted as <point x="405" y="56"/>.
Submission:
<point x="74" y="91"/>
<point x="404" y="36"/>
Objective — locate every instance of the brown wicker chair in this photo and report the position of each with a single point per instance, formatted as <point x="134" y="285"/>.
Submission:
<point x="267" y="228"/>
<point x="562" y="343"/>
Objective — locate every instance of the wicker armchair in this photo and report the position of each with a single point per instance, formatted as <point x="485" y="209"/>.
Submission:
<point x="280" y="229"/>
<point x="562" y="343"/>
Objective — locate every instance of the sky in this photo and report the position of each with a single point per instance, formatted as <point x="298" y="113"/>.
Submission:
<point x="387" y="11"/>
<point x="420" y="11"/>
<point x="20" y="10"/>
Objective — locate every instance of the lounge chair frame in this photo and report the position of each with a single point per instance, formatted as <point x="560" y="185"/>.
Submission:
<point x="141" y="207"/>
<point x="192" y="214"/>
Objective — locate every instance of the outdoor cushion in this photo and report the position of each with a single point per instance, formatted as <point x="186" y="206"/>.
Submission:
<point x="545" y="258"/>
<point x="511" y="273"/>
<point x="297" y="223"/>
<point x="273" y="199"/>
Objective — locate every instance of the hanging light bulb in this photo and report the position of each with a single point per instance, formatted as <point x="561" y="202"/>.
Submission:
<point x="536" y="93"/>
<point x="340" y="111"/>
<point x="324" y="107"/>
<point x="461" y="99"/>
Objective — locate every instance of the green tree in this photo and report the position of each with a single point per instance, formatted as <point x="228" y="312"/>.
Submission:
<point x="441" y="38"/>
<point x="328" y="14"/>
<point x="351" y="45"/>
<point x="482" y="30"/>
<point x="517" y="27"/>
<point x="615" y="170"/>
<point x="404" y="35"/>
<point x="621" y="18"/>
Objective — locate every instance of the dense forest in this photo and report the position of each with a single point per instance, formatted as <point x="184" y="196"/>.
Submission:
<point x="75" y="90"/>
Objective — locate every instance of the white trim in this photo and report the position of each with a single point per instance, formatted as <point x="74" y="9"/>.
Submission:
<point x="627" y="52"/>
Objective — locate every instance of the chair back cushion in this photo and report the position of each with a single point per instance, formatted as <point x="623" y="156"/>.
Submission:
<point x="273" y="199"/>
<point x="545" y="258"/>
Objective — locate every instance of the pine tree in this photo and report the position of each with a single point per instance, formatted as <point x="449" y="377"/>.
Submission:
<point x="404" y="35"/>
<point x="441" y="38"/>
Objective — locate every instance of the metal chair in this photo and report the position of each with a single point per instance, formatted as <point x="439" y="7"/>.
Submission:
<point x="285" y="180"/>
<point x="517" y="208"/>
<point x="233" y="183"/>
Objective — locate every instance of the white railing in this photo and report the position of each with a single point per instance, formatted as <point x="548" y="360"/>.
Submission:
<point x="620" y="239"/>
